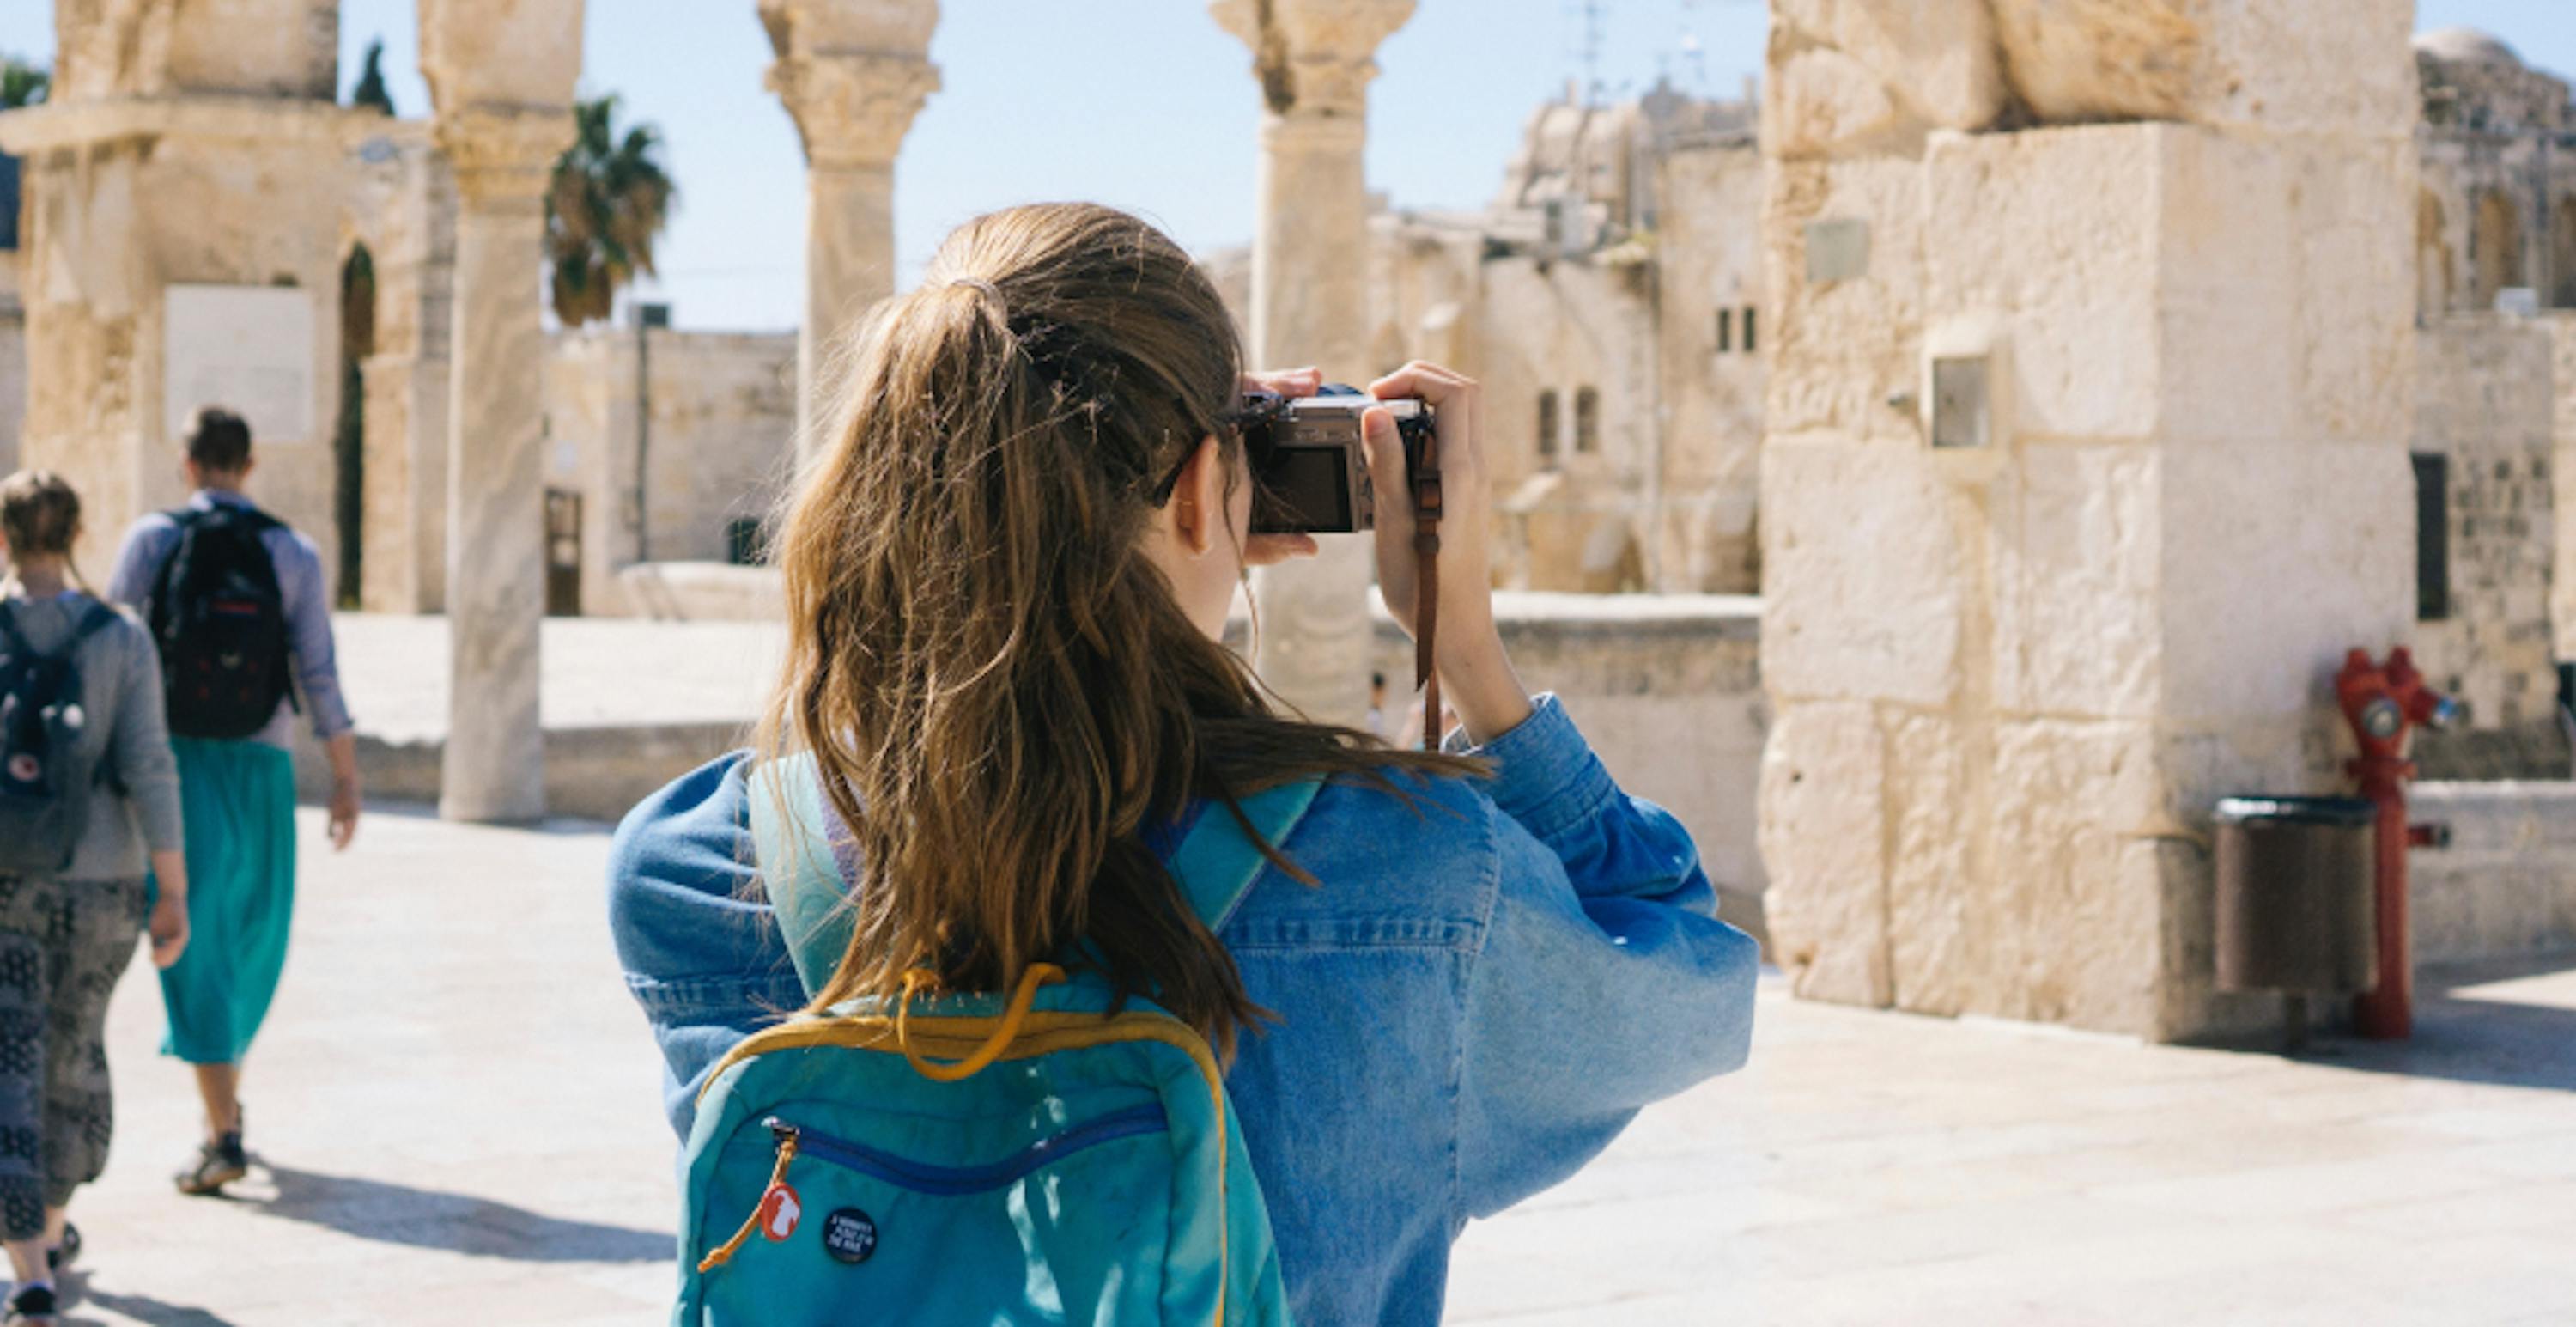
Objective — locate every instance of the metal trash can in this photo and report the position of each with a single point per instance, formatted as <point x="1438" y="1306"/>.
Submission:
<point x="2295" y="906"/>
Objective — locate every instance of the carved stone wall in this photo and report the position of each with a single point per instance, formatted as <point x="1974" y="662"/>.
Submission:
<point x="2168" y="369"/>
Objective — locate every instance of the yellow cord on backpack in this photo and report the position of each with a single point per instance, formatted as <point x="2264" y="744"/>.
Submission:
<point x="1038" y="974"/>
<point x="778" y="1175"/>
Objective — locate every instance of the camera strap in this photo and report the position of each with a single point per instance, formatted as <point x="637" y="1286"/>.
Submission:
<point x="1426" y="588"/>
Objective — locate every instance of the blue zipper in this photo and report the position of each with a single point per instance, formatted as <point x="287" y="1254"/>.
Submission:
<point x="954" y="1181"/>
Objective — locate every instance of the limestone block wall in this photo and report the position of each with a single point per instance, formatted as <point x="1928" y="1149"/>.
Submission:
<point x="2487" y="398"/>
<point x="2011" y="676"/>
<point x="2506" y="885"/>
<point x="721" y="444"/>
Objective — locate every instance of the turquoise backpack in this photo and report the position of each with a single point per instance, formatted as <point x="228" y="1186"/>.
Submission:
<point x="970" y="1159"/>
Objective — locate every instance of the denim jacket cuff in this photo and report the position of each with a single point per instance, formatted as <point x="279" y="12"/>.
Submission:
<point x="1545" y="775"/>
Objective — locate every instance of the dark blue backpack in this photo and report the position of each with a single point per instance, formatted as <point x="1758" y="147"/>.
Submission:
<point x="44" y="801"/>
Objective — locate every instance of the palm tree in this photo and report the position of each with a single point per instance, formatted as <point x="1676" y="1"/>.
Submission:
<point x="21" y="83"/>
<point x="370" y="90"/>
<point x="610" y="199"/>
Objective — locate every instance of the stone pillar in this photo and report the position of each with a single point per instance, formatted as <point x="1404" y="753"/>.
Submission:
<point x="502" y="75"/>
<point x="852" y="76"/>
<point x="2084" y="463"/>
<point x="1310" y="306"/>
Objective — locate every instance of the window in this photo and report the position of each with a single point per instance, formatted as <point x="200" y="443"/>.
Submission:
<point x="2432" y="537"/>
<point x="1547" y="426"/>
<point x="1587" y="420"/>
<point x="1748" y="329"/>
<point x="1725" y="330"/>
<point x="744" y="546"/>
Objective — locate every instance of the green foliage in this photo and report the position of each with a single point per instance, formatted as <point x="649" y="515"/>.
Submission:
<point x="609" y="201"/>
<point x="370" y="91"/>
<point x="22" y="83"/>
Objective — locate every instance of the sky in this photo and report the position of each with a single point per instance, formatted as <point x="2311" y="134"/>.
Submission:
<point x="1144" y="104"/>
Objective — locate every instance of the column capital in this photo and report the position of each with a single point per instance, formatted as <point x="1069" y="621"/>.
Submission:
<point x="852" y="109"/>
<point x="1314" y="57"/>
<point x="503" y="156"/>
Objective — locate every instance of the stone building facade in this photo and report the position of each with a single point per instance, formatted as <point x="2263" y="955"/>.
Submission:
<point x="2495" y="229"/>
<point x="2496" y="210"/>
<point x="694" y="483"/>
<point x="1609" y="298"/>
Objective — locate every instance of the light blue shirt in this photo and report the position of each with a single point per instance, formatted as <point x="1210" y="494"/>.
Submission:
<point x="1481" y="992"/>
<point x="299" y="582"/>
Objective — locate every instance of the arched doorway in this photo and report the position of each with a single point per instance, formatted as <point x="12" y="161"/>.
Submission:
<point x="2495" y="249"/>
<point x="349" y="439"/>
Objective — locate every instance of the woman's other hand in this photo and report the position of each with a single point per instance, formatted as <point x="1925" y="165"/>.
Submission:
<point x="1265" y="550"/>
<point x="1482" y="687"/>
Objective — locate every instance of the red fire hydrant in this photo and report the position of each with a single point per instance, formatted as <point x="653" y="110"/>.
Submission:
<point x="2383" y="702"/>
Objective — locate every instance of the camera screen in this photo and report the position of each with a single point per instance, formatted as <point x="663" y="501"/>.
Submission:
<point x="1306" y="492"/>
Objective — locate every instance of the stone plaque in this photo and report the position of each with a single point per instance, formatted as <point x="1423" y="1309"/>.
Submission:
<point x="248" y="349"/>
<point x="1959" y="414"/>
<point x="1837" y="250"/>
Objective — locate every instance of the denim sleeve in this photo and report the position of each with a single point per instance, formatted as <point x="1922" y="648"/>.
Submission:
<point x="1605" y="980"/>
<point x="308" y="631"/>
<point x="700" y="947"/>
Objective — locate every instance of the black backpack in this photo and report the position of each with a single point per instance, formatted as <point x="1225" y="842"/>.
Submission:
<point x="43" y="806"/>
<point x="220" y="619"/>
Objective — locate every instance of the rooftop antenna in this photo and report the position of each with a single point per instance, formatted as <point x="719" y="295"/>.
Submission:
<point x="1595" y="15"/>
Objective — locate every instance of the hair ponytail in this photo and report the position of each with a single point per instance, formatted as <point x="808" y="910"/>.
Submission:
<point x="40" y="516"/>
<point x="997" y="686"/>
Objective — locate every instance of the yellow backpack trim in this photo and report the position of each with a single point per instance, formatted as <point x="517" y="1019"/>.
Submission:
<point x="1020" y="1035"/>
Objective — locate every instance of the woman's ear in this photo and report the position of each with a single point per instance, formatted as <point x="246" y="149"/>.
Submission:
<point x="1198" y="500"/>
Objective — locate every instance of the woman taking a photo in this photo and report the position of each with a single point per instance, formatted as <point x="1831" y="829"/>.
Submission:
<point x="88" y="768"/>
<point x="1007" y="578"/>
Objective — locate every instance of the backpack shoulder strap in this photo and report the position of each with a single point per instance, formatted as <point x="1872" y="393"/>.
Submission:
<point x="790" y="835"/>
<point x="1217" y="863"/>
<point x="792" y="851"/>
<point x="93" y="620"/>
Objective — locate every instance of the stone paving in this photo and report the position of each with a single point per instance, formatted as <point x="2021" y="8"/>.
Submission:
<point x="456" y="1107"/>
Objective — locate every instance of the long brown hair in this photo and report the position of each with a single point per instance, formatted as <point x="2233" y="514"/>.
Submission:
<point x="997" y="686"/>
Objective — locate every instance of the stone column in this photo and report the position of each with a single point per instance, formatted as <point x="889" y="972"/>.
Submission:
<point x="1310" y="306"/>
<point x="2084" y="463"/>
<point x="852" y="76"/>
<point x="502" y="75"/>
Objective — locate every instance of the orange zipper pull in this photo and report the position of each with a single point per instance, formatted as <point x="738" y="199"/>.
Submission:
<point x="760" y="1210"/>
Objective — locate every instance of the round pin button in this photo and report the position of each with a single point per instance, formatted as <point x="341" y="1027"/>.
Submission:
<point x="849" y="1235"/>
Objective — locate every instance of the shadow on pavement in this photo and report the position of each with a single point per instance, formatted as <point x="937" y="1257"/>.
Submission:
<point x="141" y="1308"/>
<point x="452" y="1222"/>
<point x="2470" y="1036"/>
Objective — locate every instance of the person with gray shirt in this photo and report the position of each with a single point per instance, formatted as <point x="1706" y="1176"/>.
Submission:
<point x="200" y="573"/>
<point x="66" y="937"/>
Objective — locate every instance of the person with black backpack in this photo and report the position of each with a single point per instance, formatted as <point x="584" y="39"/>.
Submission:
<point x="88" y="794"/>
<point x="236" y="601"/>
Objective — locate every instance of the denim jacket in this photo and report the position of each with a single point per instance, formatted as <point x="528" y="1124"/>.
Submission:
<point x="1480" y="994"/>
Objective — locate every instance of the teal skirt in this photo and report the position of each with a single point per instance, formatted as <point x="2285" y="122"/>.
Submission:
<point x="238" y="801"/>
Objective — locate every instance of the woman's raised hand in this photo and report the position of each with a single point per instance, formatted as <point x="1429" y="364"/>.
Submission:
<point x="1477" y="674"/>
<point x="1263" y="550"/>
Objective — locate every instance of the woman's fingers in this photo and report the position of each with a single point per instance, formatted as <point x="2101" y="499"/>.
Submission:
<point x="1285" y="382"/>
